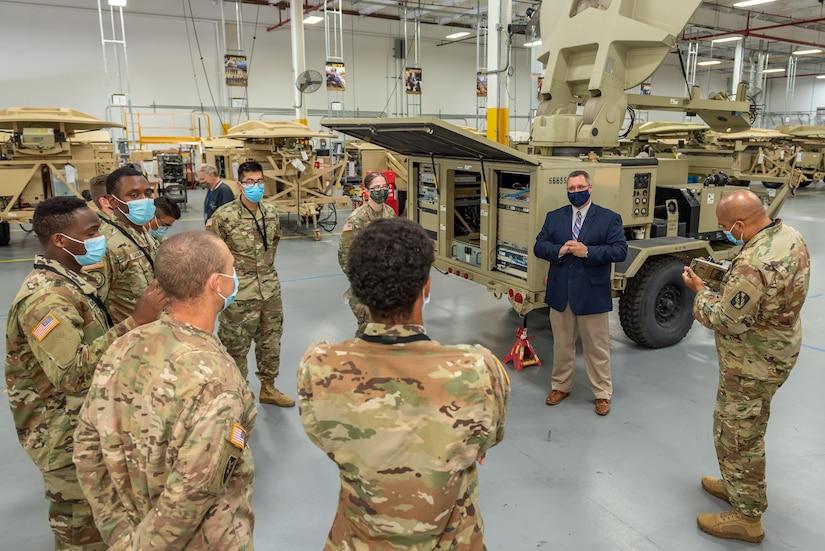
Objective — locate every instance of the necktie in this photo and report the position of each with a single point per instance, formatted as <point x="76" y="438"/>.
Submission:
<point x="577" y="227"/>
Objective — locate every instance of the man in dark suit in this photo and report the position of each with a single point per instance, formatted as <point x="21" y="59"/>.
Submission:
<point x="581" y="241"/>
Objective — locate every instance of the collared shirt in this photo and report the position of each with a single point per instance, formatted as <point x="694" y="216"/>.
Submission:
<point x="582" y="210"/>
<point x="405" y="420"/>
<point x="55" y="336"/>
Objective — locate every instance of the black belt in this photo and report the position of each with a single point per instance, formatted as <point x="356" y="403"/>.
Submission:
<point x="394" y="339"/>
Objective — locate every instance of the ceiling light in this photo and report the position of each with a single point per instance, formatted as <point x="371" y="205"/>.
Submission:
<point x="711" y="62"/>
<point x="457" y="35"/>
<point x="313" y="19"/>
<point x="118" y="3"/>
<point x="750" y="3"/>
<point x="533" y="43"/>
<point x="774" y="71"/>
<point x="807" y="52"/>
<point x="820" y="76"/>
<point x="727" y="39"/>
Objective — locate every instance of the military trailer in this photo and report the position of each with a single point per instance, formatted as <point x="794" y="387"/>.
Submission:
<point x="47" y="152"/>
<point x="484" y="203"/>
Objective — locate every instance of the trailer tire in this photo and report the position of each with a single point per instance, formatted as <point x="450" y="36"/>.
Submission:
<point x="772" y="185"/>
<point x="806" y="183"/>
<point x="5" y="234"/>
<point x="656" y="309"/>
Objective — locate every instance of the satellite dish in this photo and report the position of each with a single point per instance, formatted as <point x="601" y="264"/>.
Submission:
<point x="309" y="81"/>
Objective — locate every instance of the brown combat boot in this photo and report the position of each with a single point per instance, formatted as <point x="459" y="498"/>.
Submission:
<point x="271" y="395"/>
<point x="732" y="525"/>
<point x="715" y="487"/>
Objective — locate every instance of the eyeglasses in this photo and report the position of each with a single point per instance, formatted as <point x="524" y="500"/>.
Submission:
<point x="579" y="188"/>
<point x="380" y="188"/>
<point x="248" y="183"/>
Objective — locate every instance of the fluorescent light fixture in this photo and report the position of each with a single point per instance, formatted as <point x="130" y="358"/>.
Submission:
<point x="774" y="71"/>
<point x="748" y="3"/>
<point x="820" y="76"/>
<point x="711" y="62"/>
<point x="118" y="3"/>
<point x="533" y="43"/>
<point x="461" y="34"/>
<point x="727" y="39"/>
<point x="807" y="52"/>
<point x="313" y="19"/>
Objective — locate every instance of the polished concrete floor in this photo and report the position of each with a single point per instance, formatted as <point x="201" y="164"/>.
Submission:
<point x="563" y="478"/>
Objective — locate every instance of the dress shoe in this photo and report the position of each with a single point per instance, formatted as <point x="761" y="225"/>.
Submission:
<point x="271" y="395"/>
<point x="732" y="525"/>
<point x="602" y="406"/>
<point x="555" y="397"/>
<point x="715" y="487"/>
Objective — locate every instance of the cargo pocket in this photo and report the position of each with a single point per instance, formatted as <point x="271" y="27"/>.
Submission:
<point x="738" y="423"/>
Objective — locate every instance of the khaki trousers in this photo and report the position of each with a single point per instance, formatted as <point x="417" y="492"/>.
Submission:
<point x="595" y="336"/>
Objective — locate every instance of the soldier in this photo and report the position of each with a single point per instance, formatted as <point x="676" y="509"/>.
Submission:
<point x="251" y="229"/>
<point x="57" y="330"/>
<point x="404" y="417"/>
<point x="127" y="269"/>
<point x="375" y="208"/>
<point x="161" y="448"/>
<point x="217" y="192"/>
<point x="97" y="194"/>
<point x="758" y="337"/>
<point x="166" y="213"/>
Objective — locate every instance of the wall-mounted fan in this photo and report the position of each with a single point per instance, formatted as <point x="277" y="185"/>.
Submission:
<point x="309" y="81"/>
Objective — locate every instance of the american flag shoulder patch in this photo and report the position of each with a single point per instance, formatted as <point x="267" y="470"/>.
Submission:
<point x="46" y="325"/>
<point x="347" y="227"/>
<point x="209" y="223"/>
<point x="238" y="436"/>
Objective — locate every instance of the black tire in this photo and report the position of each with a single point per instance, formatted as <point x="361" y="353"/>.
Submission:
<point x="772" y="185"/>
<point x="806" y="183"/>
<point x="656" y="309"/>
<point x="5" y="234"/>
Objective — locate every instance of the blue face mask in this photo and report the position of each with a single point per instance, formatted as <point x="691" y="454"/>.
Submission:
<point x="95" y="249"/>
<point x="731" y="238"/>
<point x="140" y="210"/>
<point x="253" y="193"/>
<point x="231" y="298"/>
<point x="158" y="233"/>
<point x="578" y="198"/>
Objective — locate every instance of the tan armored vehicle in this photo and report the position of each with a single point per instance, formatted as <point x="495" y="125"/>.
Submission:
<point x="297" y="180"/>
<point x="809" y="142"/>
<point x="47" y="152"/>
<point x="484" y="203"/>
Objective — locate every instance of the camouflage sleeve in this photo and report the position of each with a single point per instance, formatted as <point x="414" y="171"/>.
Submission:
<point x="306" y="412"/>
<point x="735" y="310"/>
<point x="216" y="442"/>
<point x="54" y="330"/>
<point x="347" y="237"/>
<point x="501" y="389"/>
<point x="214" y="225"/>
<point x="110" y="516"/>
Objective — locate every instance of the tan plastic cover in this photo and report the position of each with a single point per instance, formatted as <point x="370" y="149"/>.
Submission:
<point x="273" y="129"/>
<point x="50" y="116"/>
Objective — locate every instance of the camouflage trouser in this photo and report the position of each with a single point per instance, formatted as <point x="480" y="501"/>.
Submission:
<point x="359" y="310"/>
<point x="258" y="320"/>
<point x="743" y="406"/>
<point x="70" y="515"/>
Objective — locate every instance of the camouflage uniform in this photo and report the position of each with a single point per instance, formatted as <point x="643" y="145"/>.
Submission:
<point x="405" y="423"/>
<point x="54" y="338"/>
<point x="358" y="219"/>
<point x="257" y="312"/>
<point x="126" y="271"/>
<point x="160" y="447"/>
<point x="758" y="337"/>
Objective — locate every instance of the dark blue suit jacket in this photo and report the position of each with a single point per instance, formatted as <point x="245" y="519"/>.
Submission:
<point x="584" y="283"/>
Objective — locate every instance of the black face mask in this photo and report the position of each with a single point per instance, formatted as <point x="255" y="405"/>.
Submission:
<point x="379" y="195"/>
<point x="578" y="198"/>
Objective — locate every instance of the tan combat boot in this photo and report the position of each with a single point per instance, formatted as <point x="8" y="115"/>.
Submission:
<point x="715" y="487"/>
<point x="271" y="395"/>
<point x="732" y="525"/>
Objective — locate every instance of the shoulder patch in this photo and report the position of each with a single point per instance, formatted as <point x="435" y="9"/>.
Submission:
<point x="347" y="226"/>
<point x="46" y="325"/>
<point x="98" y="266"/>
<point x="739" y="300"/>
<point x="209" y="223"/>
<point x="238" y="436"/>
<point x="503" y="371"/>
<point x="228" y="469"/>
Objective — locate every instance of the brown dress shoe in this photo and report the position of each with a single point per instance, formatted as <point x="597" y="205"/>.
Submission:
<point x="602" y="406"/>
<point x="555" y="397"/>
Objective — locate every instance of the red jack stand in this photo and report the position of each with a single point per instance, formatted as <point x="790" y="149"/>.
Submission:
<point x="522" y="353"/>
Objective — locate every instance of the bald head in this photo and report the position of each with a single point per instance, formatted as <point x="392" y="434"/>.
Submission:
<point x="743" y="209"/>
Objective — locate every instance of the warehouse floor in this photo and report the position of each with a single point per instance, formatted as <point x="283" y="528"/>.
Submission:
<point x="563" y="478"/>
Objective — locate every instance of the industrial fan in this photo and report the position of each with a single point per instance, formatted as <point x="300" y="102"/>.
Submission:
<point x="309" y="81"/>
